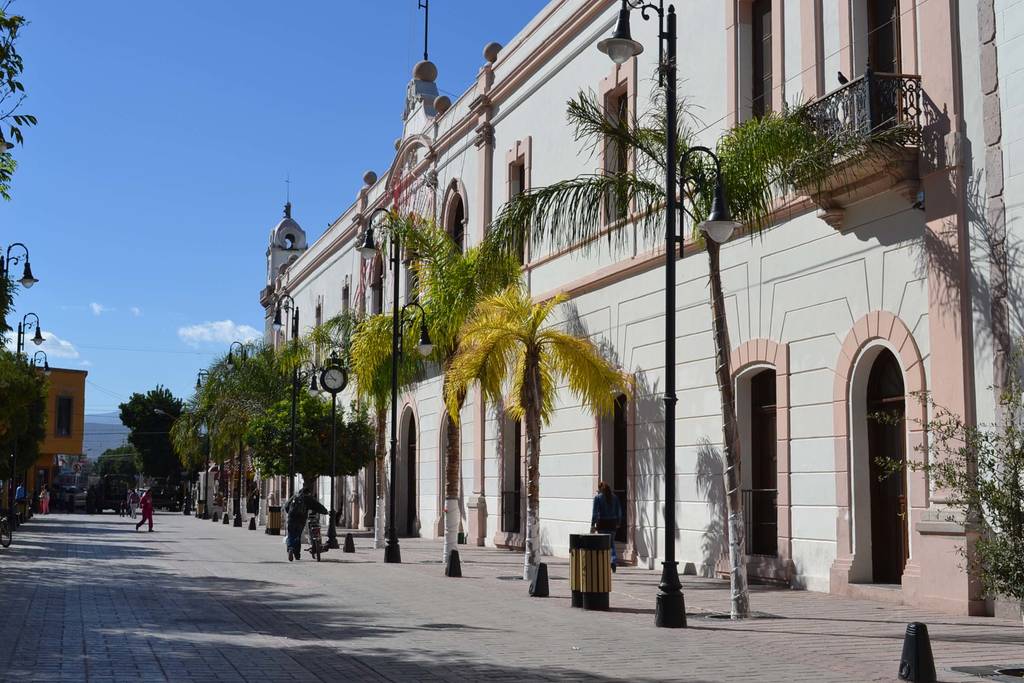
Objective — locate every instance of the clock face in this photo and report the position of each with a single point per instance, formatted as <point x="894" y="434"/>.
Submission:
<point x="334" y="379"/>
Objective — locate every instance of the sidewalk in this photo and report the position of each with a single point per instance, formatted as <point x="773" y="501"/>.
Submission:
<point x="87" y="598"/>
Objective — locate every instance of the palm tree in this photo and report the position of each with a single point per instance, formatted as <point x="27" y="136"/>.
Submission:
<point x="761" y="160"/>
<point x="370" y="364"/>
<point x="510" y="341"/>
<point x="449" y="284"/>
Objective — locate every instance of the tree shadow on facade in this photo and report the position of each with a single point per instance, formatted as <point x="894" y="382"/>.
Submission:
<point x="711" y="486"/>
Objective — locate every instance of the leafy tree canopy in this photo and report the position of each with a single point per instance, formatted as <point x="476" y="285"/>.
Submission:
<point x="12" y="94"/>
<point x="149" y="416"/>
<point x="269" y="436"/>
<point x="23" y="392"/>
<point x="120" y="460"/>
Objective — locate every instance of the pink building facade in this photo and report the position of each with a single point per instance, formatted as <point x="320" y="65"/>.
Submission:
<point x="891" y="280"/>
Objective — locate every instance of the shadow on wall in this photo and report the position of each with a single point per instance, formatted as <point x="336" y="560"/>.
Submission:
<point x="710" y="484"/>
<point x="648" y="437"/>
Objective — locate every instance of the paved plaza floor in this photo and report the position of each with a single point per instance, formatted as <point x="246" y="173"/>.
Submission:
<point x="86" y="598"/>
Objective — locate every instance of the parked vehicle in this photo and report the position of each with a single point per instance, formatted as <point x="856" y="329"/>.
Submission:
<point x="113" y="492"/>
<point x="166" y="498"/>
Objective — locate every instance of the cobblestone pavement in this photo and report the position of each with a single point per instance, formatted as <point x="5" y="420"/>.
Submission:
<point x="89" y="599"/>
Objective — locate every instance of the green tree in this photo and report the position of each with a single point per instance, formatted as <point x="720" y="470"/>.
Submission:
<point x="12" y="94"/>
<point x="269" y="436"/>
<point x="149" y="416"/>
<point x="23" y="391"/>
<point x="120" y="460"/>
<point x="511" y="342"/>
<point x="761" y="160"/>
<point x="450" y="282"/>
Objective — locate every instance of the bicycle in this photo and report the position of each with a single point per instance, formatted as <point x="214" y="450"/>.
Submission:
<point x="5" y="532"/>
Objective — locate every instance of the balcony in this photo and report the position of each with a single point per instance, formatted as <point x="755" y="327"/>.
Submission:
<point x="865" y="107"/>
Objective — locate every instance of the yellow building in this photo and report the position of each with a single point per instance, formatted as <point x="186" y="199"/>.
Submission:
<point x="65" y="423"/>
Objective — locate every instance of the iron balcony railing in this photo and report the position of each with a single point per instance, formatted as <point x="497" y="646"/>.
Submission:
<point x="761" y="521"/>
<point x="511" y="514"/>
<point x="871" y="103"/>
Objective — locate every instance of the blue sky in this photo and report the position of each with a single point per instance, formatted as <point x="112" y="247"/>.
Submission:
<point x="166" y="131"/>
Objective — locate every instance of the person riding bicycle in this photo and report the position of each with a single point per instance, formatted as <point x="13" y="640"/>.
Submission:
<point x="298" y="508"/>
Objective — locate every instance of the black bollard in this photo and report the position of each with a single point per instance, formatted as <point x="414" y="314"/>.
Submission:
<point x="539" y="585"/>
<point x="350" y="544"/>
<point x="252" y="524"/>
<point x="226" y="518"/>
<point x="917" y="663"/>
<point x="454" y="566"/>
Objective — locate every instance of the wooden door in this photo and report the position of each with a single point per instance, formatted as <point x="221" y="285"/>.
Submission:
<point x="886" y="451"/>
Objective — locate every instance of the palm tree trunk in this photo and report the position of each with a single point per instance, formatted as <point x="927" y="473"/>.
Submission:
<point x="740" y="600"/>
<point x="531" y="406"/>
<point x="452" y="464"/>
<point x="378" y="517"/>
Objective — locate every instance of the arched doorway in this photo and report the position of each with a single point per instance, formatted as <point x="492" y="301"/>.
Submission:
<point x="406" y="507"/>
<point x="613" y="464"/>
<point x="886" y="442"/>
<point x="512" y="506"/>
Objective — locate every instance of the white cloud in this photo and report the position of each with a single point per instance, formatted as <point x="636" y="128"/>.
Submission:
<point x="86" y="363"/>
<point x="220" y="331"/>
<point x="136" y="311"/>
<point x="54" y="346"/>
<point x="99" y="309"/>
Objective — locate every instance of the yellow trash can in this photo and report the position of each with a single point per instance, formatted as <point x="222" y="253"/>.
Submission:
<point x="273" y="520"/>
<point x="590" y="570"/>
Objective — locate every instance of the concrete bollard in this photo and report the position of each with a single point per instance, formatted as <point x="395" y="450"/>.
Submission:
<point x="350" y="544"/>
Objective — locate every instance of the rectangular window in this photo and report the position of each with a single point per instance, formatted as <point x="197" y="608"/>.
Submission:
<point x="63" y="421"/>
<point x="345" y="299"/>
<point x="761" y="57"/>
<point x="616" y="157"/>
<point x="517" y="186"/>
<point x="884" y="35"/>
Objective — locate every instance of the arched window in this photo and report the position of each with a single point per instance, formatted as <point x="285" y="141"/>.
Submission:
<point x="455" y="217"/>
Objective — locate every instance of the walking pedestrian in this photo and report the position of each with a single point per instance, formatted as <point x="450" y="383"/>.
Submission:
<point x="297" y="508"/>
<point x="133" y="502"/>
<point x="607" y="516"/>
<point x="146" y="505"/>
<point x="44" y="502"/>
<point x="19" y="501"/>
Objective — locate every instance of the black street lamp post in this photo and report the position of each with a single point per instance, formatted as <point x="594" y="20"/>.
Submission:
<point x="288" y="303"/>
<point x="671" y="609"/>
<point x="620" y="47"/>
<point x="232" y="364"/>
<point x="38" y="339"/>
<point x="392" y="552"/>
<point x="333" y="380"/>
<point x="200" y="378"/>
<point x="41" y="356"/>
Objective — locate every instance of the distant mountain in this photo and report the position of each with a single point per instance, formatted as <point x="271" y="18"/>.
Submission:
<point x="103" y="431"/>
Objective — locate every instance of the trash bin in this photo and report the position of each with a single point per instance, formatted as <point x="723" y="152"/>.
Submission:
<point x="590" y="570"/>
<point x="200" y="509"/>
<point x="273" y="520"/>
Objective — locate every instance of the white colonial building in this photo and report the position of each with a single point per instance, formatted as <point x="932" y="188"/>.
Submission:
<point x="889" y="281"/>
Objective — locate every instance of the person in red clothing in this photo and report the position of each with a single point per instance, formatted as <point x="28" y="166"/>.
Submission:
<point x="146" y="505"/>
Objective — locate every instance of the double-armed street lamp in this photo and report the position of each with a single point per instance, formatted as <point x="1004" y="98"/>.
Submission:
<point x="233" y="362"/>
<point x="286" y="302"/>
<point x="333" y="380"/>
<point x="206" y="431"/>
<point x="368" y="249"/>
<point x="620" y="47"/>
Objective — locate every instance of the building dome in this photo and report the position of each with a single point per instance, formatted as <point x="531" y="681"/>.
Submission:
<point x="288" y="234"/>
